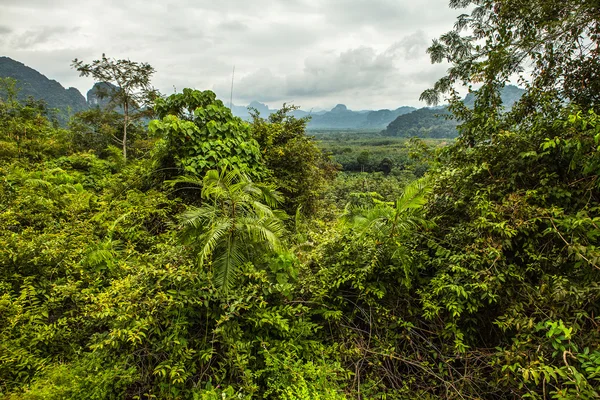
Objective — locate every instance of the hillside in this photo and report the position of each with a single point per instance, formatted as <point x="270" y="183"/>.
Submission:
<point x="425" y="122"/>
<point x="433" y="122"/>
<point x="510" y="94"/>
<point x="98" y="95"/>
<point x="382" y="118"/>
<point x="34" y="84"/>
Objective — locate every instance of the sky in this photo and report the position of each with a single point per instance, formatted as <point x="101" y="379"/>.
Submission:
<point x="366" y="54"/>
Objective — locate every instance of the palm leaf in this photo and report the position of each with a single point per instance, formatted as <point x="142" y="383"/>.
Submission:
<point x="237" y="218"/>
<point x="226" y="266"/>
<point x="211" y="238"/>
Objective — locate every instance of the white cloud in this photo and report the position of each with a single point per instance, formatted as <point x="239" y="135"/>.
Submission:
<point x="365" y="53"/>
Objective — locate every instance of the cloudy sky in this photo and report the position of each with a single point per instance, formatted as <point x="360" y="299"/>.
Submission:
<point x="367" y="54"/>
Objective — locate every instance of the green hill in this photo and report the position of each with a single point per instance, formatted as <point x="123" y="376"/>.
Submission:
<point x="423" y="123"/>
<point x="434" y="122"/>
<point x="31" y="83"/>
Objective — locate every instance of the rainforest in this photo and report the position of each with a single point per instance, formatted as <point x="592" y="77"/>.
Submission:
<point x="158" y="247"/>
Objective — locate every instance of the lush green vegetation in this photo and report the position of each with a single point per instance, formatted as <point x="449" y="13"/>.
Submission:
<point x="227" y="260"/>
<point x="62" y="103"/>
<point x="368" y="151"/>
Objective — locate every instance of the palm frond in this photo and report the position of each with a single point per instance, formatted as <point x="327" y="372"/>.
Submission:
<point x="38" y="183"/>
<point x="188" y="180"/>
<point x="211" y="238"/>
<point x="266" y="232"/>
<point x="227" y="265"/>
<point x="196" y="218"/>
<point x="237" y="218"/>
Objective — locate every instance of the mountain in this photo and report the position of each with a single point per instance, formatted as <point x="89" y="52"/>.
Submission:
<point x="340" y="117"/>
<point x="34" y="84"/>
<point x="382" y="118"/>
<point x="244" y="112"/>
<point x="424" y="122"/>
<point x="510" y="94"/>
<point x="433" y="122"/>
<point x="403" y="121"/>
<point x="99" y="94"/>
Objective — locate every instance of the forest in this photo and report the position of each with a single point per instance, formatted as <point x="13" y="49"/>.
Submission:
<point x="161" y="248"/>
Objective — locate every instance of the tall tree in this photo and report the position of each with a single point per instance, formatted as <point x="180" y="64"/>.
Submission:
<point x="512" y="263"/>
<point x="133" y="93"/>
<point x="297" y="166"/>
<point x="552" y="47"/>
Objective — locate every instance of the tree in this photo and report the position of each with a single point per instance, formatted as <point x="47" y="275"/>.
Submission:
<point x="133" y="93"/>
<point x="386" y="165"/>
<point x="297" y="166"/>
<point x="552" y="47"/>
<point x="199" y="134"/>
<point x="95" y="129"/>
<point x="512" y="263"/>
<point x="234" y="225"/>
<point x="25" y="125"/>
<point x="363" y="159"/>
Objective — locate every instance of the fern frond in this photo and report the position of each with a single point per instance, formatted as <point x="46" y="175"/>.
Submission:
<point x="414" y="195"/>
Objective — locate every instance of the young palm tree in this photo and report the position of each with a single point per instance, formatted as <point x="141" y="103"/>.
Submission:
<point x="388" y="224"/>
<point x="236" y="222"/>
<point x="388" y="220"/>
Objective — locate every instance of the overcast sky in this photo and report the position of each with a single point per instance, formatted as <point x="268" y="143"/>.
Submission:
<point x="367" y="54"/>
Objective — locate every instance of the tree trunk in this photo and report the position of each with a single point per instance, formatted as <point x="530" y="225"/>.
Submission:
<point x="125" y="121"/>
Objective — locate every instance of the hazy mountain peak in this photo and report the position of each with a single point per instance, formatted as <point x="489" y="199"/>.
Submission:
<point x="339" y="108"/>
<point x="509" y="94"/>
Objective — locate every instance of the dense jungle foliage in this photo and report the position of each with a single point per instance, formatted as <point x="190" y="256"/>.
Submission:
<point x="226" y="259"/>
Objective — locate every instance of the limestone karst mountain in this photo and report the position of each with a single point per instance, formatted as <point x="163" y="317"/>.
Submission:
<point x="31" y="83"/>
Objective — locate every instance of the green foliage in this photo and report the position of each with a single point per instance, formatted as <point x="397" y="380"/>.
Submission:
<point x="131" y="91"/>
<point x="481" y="280"/>
<point x="512" y="264"/>
<point x="98" y="130"/>
<point x="25" y="132"/>
<point x="299" y="169"/>
<point x="558" y="37"/>
<point x="386" y="220"/>
<point x="199" y="134"/>
<point x="390" y="155"/>
<point x="95" y="130"/>
<point x="236" y="220"/>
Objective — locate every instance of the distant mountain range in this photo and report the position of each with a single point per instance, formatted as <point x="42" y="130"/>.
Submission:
<point x="434" y="122"/>
<point x="340" y="117"/>
<point x="404" y="121"/>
